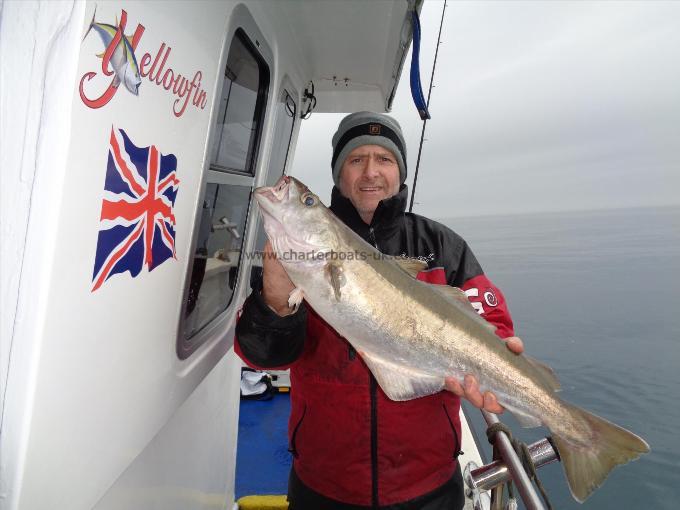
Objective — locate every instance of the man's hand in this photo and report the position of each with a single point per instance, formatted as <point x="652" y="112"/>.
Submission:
<point x="276" y="286"/>
<point x="470" y="389"/>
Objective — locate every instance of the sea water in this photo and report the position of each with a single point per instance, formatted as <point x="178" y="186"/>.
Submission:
<point x="596" y="295"/>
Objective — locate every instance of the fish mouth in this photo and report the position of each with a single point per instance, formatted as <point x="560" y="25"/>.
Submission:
<point x="275" y="194"/>
<point x="269" y="198"/>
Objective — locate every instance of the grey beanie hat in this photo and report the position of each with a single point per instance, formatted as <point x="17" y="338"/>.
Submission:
<point x="368" y="128"/>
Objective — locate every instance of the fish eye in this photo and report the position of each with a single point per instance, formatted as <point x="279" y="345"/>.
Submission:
<point x="309" y="199"/>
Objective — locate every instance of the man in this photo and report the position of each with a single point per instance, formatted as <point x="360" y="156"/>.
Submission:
<point x="353" y="447"/>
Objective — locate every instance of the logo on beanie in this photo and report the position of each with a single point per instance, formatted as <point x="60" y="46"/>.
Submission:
<point x="374" y="129"/>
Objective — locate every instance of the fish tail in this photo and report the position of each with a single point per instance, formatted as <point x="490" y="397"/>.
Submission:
<point x="91" y="22"/>
<point x="604" y="446"/>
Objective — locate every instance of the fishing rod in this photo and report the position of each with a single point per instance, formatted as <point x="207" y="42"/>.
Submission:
<point x="425" y="118"/>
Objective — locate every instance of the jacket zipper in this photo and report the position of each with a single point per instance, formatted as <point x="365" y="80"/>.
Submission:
<point x="374" y="440"/>
<point x="291" y="448"/>
<point x="456" y="450"/>
<point x="374" y="413"/>
<point x="371" y="237"/>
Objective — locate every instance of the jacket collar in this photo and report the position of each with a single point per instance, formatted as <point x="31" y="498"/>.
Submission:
<point x="388" y="216"/>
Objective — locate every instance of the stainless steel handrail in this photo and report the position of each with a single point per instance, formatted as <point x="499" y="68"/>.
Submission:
<point x="496" y="473"/>
<point x="511" y="466"/>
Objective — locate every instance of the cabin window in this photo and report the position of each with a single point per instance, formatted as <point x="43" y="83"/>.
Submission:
<point x="240" y="115"/>
<point x="225" y="201"/>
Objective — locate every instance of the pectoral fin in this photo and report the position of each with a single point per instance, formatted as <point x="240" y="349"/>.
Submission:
<point x="336" y="278"/>
<point x="295" y="298"/>
<point x="400" y="382"/>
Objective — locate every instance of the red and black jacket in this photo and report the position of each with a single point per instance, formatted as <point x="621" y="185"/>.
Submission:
<point x="352" y="446"/>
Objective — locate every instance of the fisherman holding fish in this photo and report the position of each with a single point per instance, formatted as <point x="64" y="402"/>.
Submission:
<point x="353" y="446"/>
<point x="376" y="311"/>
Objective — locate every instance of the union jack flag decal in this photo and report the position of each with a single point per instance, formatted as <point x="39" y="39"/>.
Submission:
<point x="137" y="224"/>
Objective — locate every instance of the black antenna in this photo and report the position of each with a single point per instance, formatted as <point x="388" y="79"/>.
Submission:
<point x="422" y="134"/>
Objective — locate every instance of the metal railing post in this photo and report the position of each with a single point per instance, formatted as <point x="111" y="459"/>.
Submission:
<point x="519" y="476"/>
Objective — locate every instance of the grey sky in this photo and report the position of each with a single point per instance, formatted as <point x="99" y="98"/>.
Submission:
<point x="537" y="106"/>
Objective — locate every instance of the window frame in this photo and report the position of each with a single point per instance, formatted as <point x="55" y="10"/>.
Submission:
<point x="260" y="106"/>
<point x="246" y="30"/>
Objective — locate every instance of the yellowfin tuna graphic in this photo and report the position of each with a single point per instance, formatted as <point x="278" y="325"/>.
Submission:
<point x="122" y="59"/>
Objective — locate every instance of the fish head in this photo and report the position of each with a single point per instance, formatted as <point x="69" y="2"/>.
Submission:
<point x="299" y="226"/>
<point x="131" y="78"/>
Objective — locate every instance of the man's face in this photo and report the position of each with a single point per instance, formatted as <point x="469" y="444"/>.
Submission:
<point x="369" y="174"/>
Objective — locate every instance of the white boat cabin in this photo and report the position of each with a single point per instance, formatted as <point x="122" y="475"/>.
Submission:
<point x="133" y="134"/>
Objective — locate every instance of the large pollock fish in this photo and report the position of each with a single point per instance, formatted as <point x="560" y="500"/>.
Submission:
<point x="412" y="334"/>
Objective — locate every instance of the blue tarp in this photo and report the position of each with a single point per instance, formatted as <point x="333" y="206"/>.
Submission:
<point x="262" y="457"/>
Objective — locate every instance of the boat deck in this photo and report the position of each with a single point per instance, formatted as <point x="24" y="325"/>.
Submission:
<point x="263" y="460"/>
<point x="262" y="457"/>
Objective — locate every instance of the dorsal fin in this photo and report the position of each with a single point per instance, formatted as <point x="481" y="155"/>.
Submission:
<point x="410" y="265"/>
<point x="453" y="293"/>
<point x="457" y="296"/>
<point x="547" y="373"/>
